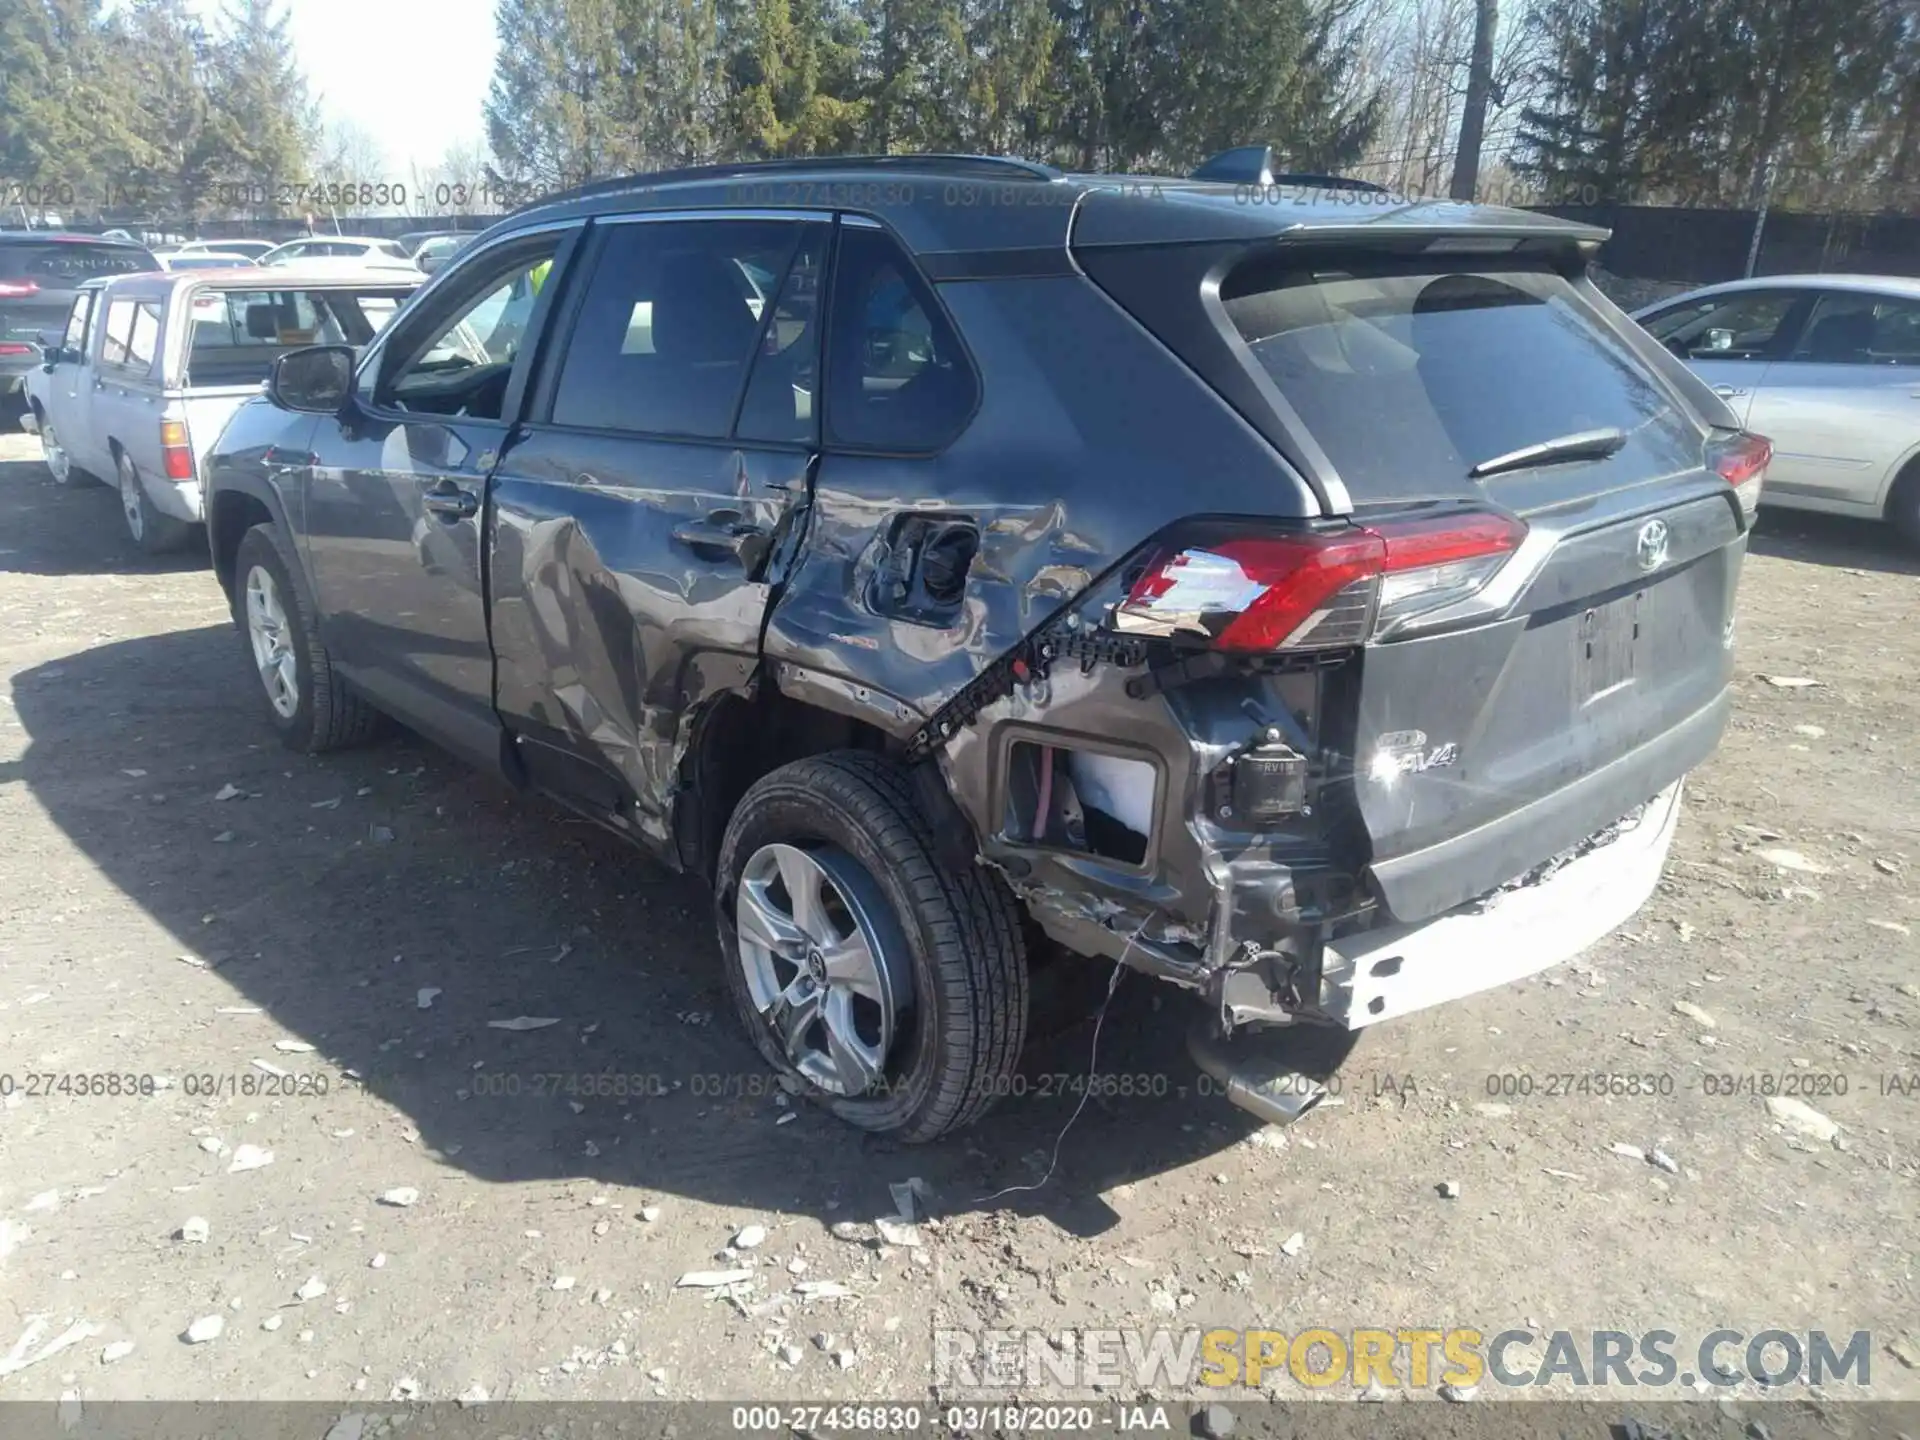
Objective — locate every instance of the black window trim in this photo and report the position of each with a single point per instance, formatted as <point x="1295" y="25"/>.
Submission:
<point x="915" y="271"/>
<point x="1801" y="301"/>
<point x="430" y="300"/>
<point x="538" y="410"/>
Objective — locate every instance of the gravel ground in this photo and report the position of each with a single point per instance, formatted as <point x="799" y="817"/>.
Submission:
<point x="181" y="898"/>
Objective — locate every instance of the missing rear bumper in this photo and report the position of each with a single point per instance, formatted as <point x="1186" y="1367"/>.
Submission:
<point x="1395" y="970"/>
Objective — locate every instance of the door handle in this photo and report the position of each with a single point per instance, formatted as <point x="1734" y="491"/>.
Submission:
<point x="449" y="502"/>
<point x="723" y="532"/>
<point x="1727" y="392"/>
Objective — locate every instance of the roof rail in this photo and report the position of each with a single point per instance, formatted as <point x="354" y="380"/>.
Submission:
<point x="1253" y="165"/>
<point x="982" y="166"/>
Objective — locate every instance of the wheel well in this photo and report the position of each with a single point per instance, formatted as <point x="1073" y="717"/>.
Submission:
<point x="233" y="513"/>
<point x="737" y="741"/>
<point x="1907" y="479"/>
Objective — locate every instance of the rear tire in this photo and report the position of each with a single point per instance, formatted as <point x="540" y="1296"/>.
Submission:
<point x="153" y="531"/>
<point x="951" y="957"/>
<point x="1903" y="504"/>
<point x="308" y="701"/>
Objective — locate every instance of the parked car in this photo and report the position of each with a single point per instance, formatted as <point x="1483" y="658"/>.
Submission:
<point x="356" y="252"/>
<point x="203" y="260"/>
<point x="149" y="368"/>
<point x="1335" y="645"/>
<point x="252" y="249"/>
<point x="436" y="250"/>
<point x="1825" y="366"/>
<point x="39" y="274"/>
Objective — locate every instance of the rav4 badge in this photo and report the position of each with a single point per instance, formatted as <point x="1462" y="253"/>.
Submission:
<point x="1406" y="752"/>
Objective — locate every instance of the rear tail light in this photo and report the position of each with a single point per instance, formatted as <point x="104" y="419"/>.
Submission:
<point x="1741" y="460"/>
<point x="176" y="453"/>
<point x="8" y="347"/>
<point x="1316" y="590"/>
<point x="18" y="289"/>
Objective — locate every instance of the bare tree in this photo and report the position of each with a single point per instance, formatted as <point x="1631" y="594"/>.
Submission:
<point x="1473" y="109"/>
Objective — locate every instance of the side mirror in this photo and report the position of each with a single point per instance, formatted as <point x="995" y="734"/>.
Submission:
<point x="317" y="380"/>
<point x="52" y="345"/>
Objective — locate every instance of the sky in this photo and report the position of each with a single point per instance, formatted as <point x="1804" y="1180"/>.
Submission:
<point x="412" y="73"/>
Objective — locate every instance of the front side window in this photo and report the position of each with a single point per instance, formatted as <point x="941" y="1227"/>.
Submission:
<point x="671" y="319"/>
<point x="76" y="336"/>
<point x="458" y="358"/>
<point x="897" y="379"/>
<point x="1742" y="326"/>
<point x="1861" y="329"/>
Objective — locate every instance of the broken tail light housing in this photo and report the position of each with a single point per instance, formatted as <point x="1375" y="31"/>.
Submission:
<point x="1315" y="590"/>
<point x="1741" y="460"/>
<point x="176" y="454"/>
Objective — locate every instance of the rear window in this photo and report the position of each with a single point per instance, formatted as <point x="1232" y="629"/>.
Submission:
<point x="238" y="333"/>
<point x="1398" y="371"/>
<point x="63" y="265"/>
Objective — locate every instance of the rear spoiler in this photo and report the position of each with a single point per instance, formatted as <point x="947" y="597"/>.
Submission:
<point x="1253" y="165"/>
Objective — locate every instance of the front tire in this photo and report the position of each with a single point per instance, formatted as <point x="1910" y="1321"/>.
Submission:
<point x="153" y="531"/>
<point x="893" y="989"/>
<point x="59" y="463"/>
<point x="1903" y="504"/>
<point x="308" y="701"/>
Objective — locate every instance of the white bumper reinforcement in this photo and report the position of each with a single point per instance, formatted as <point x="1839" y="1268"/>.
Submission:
<point x="1394" y="971"/>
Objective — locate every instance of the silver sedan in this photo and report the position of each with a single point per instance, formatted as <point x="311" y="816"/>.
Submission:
<point x="1828" y="368"/>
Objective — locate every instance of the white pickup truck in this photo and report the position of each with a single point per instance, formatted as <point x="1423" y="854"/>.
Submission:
<point x="150" y="368"/>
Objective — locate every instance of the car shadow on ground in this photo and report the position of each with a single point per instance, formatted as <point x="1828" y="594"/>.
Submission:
<point x="52" y="529"/>
<point x="1839" y="541"/>
<point x="333" y="892"/>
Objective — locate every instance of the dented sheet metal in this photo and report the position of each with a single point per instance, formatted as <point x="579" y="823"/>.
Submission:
<point x="616" y="620"/>
<point x="1056" y="504"/>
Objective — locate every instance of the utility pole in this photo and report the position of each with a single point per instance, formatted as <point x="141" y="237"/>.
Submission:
<point x="1760" y="218"/>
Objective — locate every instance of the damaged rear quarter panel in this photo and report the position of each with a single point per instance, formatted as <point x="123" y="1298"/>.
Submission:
<point x="1090" y="438"/>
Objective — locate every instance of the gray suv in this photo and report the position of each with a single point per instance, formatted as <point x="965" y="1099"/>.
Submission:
<point x="1310" y="599"/>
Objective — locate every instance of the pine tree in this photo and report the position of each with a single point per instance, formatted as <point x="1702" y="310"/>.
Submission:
<point x="266" y="124"/>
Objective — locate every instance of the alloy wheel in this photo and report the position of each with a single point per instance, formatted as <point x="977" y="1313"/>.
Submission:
<point x="272" y="642"/>
<point x="825" y="966"/>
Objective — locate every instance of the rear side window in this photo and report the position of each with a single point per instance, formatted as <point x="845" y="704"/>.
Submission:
<point x="782" y="399"/>
<point x="669" y="324"/>
<point x="133" y="334"/>
<point x="1861" y="329"/>
<point x="1400" y="371"/>
<point x="897" y="379"/>
<point x="67" y="264"/>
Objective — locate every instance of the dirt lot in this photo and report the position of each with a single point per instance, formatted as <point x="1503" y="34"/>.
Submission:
<point x="362" y="919"/>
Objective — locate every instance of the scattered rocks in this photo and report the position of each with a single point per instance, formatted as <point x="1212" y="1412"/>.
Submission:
<point x="194" y="1231"/>
<point x="271" y="1323"/>
<point x="312" y="1288"/>
<point x="45" y="1201"/>
<point x="789" y="1354"/>
<point x="228" y="791"/>
<point x="844" y="1359"/>
<point x="378" y="1262"/>
<point x="1802" y="1118"/>
<point x="118" y="1350"/>
<point x="523" y="1022"/>
<point x="894" y="1232"/>
<point x="211" y="1144"/>
<point x="1492" y="1109"/>
<point x="474" y="1394"/>
<point x="207" y="1327"/>
<point x="1784" y="859"/>
<point x="650" y="1213"/>
<point x="249" y="1157"/>
<point x="1458" y="1394"/>
<point x="750" y="1237"/>
<point x="1694" y="1013"/>
<point x="1631" y="1152"/>
<point x="400" y="1197"/>
<point x="564" y="1282"/>
<point x="1293" y="1244"/>
<point x="1449" y="1190"/>
<point x="1663" y="1161"/>
<point x="425" y="996"/>
<point x="1791" y="682"/>
<point x="405" y="1388"/>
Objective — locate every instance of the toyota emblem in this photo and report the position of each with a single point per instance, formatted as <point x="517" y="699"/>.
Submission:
<point x="1651" y="546"/>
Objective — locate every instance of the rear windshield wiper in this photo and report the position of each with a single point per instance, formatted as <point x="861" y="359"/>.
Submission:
<point x="1586" y="445"/>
